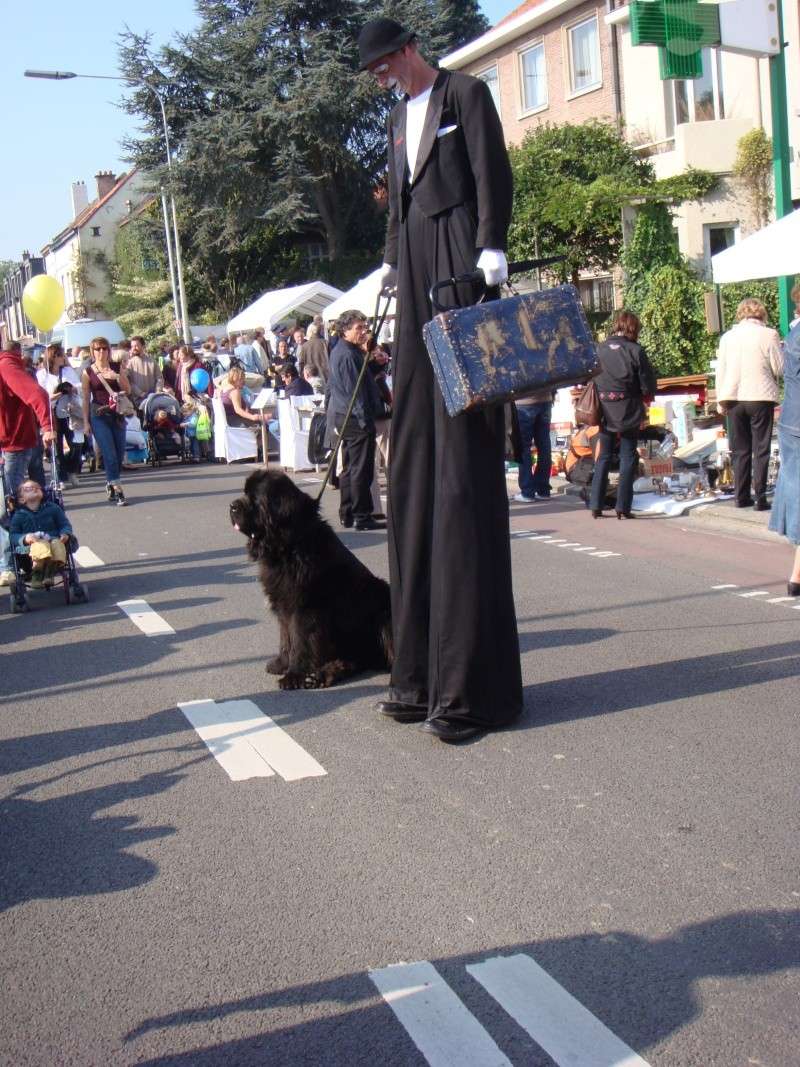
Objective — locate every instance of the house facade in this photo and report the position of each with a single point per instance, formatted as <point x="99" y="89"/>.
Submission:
<point x="79" y="256"/>
<point x="567" y="61"/>
<point x="14" y="323"/>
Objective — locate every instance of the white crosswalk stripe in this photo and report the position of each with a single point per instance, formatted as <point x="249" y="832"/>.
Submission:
<point x="446" y="1033"/>
<point x="86" y="559"/>
<point x="449" y="1035"/>
<point x="567" y="1031"/>
<point x="142" y="615"/>
<point x="247" y="743"/>
<point x="563" y="542"/>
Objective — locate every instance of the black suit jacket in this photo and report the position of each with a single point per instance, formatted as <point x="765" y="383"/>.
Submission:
<point x="466" y="165"/>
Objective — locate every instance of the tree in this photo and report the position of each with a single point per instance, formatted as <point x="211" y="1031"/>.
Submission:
<point x="6" y="267"/>
<point x="275" y="132"/>
<point x="570" y="183"/>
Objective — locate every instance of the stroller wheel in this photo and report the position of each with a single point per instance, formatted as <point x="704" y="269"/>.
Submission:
<point x="18" y="607"/>
<point x="78" y="594"/>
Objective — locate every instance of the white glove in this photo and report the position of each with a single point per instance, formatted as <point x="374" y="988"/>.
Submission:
<point x="494" y="265"/>
<point x="388" y="277"/>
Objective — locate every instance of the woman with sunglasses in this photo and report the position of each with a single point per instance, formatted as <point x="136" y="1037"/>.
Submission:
<point x="100" y="419"/>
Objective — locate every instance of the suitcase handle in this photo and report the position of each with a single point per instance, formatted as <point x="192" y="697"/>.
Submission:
<point x="477" y="277"/>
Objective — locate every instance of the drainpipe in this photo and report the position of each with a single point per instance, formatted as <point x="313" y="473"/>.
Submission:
<point x="616" y="81"/>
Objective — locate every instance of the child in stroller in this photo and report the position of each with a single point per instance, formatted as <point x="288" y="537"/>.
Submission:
<point x="161" y="419"/>
<point x="41" y="530"/>
<point x="197" y="426"/>
<point x="42" y="541"/>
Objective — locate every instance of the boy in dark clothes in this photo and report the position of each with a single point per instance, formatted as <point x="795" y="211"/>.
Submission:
<point x="40" y="530"/>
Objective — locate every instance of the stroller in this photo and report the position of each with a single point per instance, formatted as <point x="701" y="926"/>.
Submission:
<point x="161" y="444"/>
<point x="74" y="591"/>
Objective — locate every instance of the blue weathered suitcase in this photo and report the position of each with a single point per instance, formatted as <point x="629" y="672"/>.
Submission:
<point x="505" y="349"/>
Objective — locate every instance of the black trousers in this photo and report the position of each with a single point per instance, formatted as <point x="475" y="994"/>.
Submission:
<point x="453" y="617"/>
<point x="69" y="462"/>
<point x="355" y="479"/>
<point x="750" y="424"/>
<point x="628" y="463"/>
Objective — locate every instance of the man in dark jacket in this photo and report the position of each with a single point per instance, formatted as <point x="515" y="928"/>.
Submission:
<point x="450" y="190"/>
<point x="358" y="439"/>
<point x="23" y="404"/>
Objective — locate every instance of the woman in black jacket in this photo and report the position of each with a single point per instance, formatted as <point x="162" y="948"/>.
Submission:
<point x="625" y="379"/>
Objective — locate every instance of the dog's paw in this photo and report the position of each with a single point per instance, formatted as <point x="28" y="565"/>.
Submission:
<point x="327" y="675"/>
<point x="292" y="680"/>
<point x="276" y="665"/>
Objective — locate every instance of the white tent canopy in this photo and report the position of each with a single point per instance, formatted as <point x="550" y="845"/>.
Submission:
<point x="273" y="308"/>
<point x="361" y="297"/>
<point x="769" y="253"/>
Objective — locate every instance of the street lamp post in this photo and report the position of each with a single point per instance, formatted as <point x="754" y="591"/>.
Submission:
<point x="176" y="269"/>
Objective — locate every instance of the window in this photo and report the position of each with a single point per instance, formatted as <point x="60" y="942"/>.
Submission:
<point x="719" y="236"/>
<point x="314" y="253"/>
<point x="584" y="55"/>
<point x="701" y="99"/>
<point x="597" y="294"/>
<point x="95" y="231"/>
<point x="492" y="80"/>
<point x="533" y="77"/>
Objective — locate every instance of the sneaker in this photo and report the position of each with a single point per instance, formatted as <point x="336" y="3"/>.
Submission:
<point x="111" y="493"/>
<point x="7" y="578"/>
<point x="523" y="498"/>
<point x="120" y="497"/>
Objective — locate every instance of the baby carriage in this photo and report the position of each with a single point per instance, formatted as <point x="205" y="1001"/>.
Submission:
<point x="67" y="577"/>
<point x="165" y="440"/>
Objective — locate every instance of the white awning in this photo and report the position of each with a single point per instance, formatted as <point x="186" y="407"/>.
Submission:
<point x="271" y="309"/>
<point x="769" y="253"/>
<point x="361" y="297"/>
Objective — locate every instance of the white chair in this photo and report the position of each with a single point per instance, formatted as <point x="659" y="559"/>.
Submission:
<point x="232" y="442"/>
<point x="294" y="439"/>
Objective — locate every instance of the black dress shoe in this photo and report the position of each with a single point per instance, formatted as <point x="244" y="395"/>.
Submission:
<point x="346" y="523"/>
<point x="762" y="504"/>
<point x="395" y="709"/>
<point x="452" y="730"/>
<point x="370" y="524"/>
<point x="744" y="503"/>
<point x="793" y="588"/>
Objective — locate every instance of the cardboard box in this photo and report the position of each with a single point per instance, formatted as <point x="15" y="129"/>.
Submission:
<point x="657" y="468"/>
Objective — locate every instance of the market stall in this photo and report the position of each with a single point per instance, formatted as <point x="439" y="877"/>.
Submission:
<point x="281" y="306"/>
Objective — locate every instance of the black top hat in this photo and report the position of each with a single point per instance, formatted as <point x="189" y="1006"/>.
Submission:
<point x="380" y="37"/>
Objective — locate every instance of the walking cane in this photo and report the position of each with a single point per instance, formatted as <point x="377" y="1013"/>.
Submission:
<point x="378" y="320"/>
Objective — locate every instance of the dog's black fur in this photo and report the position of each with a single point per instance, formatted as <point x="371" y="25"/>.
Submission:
<point x="334" y="614"/>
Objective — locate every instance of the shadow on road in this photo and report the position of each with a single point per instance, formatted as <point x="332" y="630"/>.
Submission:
<point x="643" y="990"/>
<point x="63" y="848"/>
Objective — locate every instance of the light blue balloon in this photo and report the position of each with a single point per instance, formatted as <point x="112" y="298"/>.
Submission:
<point x="199" y="380"/>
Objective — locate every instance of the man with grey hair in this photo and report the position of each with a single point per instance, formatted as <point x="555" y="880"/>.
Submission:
<point x="313" y="352"/>
<point x="246" y="354"/>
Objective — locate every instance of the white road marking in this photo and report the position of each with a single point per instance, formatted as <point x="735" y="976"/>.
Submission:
<point x="605" y="555"/>
<point x="755" y="592"/>
<point x="724" y="586"/>
<point x="247" y="743"/>
<point x="142" y="615"/>
<point x="558" y="541"/>
<point x="443" y="1029"/>
<point x="85" y="558"/>
<point x="570" y="544"/>
<point x="780" y="599"/>
<point x="586" y="548"/>
<point x="567" y="1031"/>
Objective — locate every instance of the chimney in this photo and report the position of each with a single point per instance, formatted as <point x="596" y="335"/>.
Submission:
<point x="80" y="198"/>
<point x="106" y="180"/>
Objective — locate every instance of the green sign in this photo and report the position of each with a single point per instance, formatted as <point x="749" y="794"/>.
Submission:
<point x="680" y="28"/>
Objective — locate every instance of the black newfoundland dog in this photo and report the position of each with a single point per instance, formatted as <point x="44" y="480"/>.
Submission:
<point x="334" y="614"/>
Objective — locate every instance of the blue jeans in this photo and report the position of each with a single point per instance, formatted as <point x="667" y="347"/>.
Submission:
<point x="17" y="465"/>
<point x="109" y="433"/>
<point x="627" y="468"/>
<point x="534" y="429"/>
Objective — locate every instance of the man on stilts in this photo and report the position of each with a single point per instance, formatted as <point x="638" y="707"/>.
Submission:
<point x="456" y="665"/>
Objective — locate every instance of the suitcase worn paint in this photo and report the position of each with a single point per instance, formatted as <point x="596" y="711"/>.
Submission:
<point x="504" y="349"/>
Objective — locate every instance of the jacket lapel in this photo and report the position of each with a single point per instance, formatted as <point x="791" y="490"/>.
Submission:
<point x="431" y="125"/>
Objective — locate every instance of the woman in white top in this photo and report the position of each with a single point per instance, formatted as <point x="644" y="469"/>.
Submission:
<point x="54" y="370"/>
<point x="749" y="364"/>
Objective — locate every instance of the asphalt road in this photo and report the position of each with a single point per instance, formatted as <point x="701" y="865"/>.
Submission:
<point x="631" y="843"/>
